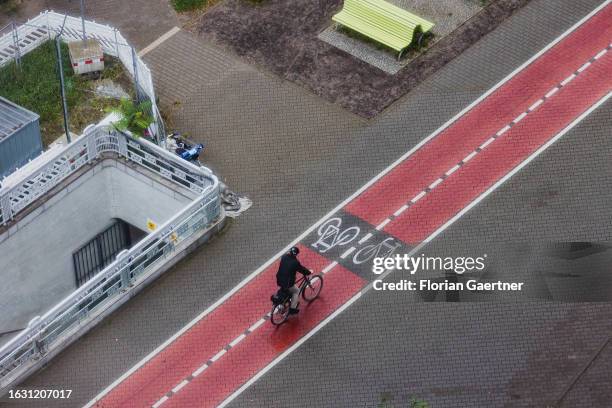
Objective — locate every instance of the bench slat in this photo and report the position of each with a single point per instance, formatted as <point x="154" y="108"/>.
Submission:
<point x="382" y="21"/>
<point x="370" y="31"/>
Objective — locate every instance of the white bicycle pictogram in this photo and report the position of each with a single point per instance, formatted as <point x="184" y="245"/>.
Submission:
<point x="331" y="236"/>
<point x="380" y="250"/>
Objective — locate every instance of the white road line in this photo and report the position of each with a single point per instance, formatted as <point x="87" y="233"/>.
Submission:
<point x="380" y="175"/>
<point x="418" y="197"/>
<point x="398" y="212"/>
<point x="536" y="104"/>
<point x="585" y="66"/>
<point x="161" y="401"/>
<point x="256" y="325"/>
<point x="365" y="238"/>
<point x="218" y="355"/>
<point x="159" y="41"/>
<point x="181" y="385"/>
<point x="329" y="267"/>
<point x="382" y="224"/>
<point x="199" y="370"/>
<point x="504" y="130"/>
<point x="415" y="250"/>
<point x="237" y="340"/>
<point x="520" y="117"/>
<point x="470" y="156"/>
<point x="452" y="170"/>
<point x="435" y="183"/>
<point x="568" y="79"/>
<point x="347" y="252"/>
<point x="552" y="92"/>
<point x="488" y="142"/>
<point x="601" y="54"/>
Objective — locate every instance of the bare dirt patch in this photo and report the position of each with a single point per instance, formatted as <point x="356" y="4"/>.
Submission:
<point x="281" y="35"/>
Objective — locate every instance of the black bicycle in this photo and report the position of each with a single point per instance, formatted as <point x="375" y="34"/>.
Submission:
<point x="310" y="288"/>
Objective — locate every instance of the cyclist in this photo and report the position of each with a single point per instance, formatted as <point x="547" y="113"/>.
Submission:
<point x="285" y="277"/>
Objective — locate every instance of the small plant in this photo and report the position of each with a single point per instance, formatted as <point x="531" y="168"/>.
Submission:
<point x="188" y="5"/>
<point x="134" y="117"/>
<point x="418" y="403"/>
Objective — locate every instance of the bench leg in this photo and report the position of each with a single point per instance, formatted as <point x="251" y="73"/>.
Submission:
<point x="420" y="40"/>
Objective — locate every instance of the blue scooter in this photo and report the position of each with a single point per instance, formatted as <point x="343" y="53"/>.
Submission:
<point x="185" y="150"/>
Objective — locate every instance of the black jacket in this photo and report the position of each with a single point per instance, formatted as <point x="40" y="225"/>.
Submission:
<point x="289" y="266"/>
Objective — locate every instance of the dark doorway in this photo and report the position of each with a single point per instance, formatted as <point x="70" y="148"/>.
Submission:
<point x="95" y="255"/>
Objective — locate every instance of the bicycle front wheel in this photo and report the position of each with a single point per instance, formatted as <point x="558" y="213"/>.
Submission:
<point x="313" y="287"/>
<point x="279" y="314"/>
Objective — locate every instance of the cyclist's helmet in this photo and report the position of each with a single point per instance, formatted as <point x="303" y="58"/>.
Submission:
<point x="294" y="251"/>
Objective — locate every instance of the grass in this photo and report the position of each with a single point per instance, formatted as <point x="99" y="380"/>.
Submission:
<point x="36" y="87"/>
<point x="188" y="5"/>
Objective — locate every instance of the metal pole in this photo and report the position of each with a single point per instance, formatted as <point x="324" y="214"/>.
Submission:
<point x="116" y="43"/>
<point x="63" y="92"/>
<point x="16" y="44"/>
<point x="58" y="49"/>
<point x="83" y="22"/>
<point x="135" y="68"/>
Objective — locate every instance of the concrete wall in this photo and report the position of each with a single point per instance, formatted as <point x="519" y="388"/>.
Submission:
<point x="36" y="268"/>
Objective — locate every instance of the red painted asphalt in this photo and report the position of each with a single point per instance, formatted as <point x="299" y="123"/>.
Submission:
<point x="482" y="121"/>
<point x="240" y="311"/>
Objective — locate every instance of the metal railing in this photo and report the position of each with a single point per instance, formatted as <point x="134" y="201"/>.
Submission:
<point x="21" y="39"/>
<point x="50" y="332"/>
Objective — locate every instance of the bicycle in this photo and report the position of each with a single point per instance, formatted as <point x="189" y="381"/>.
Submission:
<point x="310" y="288"/>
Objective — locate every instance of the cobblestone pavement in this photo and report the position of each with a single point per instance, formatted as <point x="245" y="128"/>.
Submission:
<point x="294" y="154"/>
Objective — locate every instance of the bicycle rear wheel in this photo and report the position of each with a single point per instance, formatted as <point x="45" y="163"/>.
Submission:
<point x="313" y="288"/>
<point x="279" y="313"/>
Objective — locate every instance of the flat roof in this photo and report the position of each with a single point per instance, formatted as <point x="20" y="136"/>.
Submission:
<point x="91" y="48"/>
<point x="13" y="117"/>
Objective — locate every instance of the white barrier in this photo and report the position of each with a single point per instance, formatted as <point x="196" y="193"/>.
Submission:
<point x="98" y="297"/>
<point x="26" y="37"/>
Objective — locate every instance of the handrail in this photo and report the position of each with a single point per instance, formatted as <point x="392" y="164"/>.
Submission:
<point x="44" y="334"/>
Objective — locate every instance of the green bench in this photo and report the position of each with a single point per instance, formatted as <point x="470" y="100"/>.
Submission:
<point x="383" y="22"/>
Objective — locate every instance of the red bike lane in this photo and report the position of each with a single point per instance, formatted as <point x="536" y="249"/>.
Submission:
<point x="477" y="175"/>
<point x="233" y="343"/>
<point x="192" y="352"/>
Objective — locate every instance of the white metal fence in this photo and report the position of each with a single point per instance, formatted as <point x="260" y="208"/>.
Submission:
<point x="19" y="40"/>
<point x="79" y="311"/>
